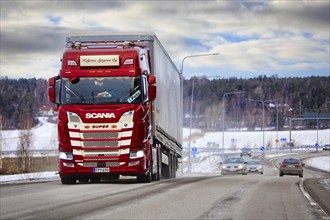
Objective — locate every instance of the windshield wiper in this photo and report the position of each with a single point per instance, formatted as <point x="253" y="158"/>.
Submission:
<point x="73" y="93"/>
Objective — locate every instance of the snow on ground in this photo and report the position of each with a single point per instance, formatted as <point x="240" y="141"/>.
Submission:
<point x="322" y="163"/>
<point x="254" y="139"/>
<point x="27" y="177"/>
<point x="44" y="137"/>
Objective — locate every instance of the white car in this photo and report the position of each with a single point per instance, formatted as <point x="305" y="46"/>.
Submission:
<point x="326" y="147"/>
<point x="234" y="165"/>
<point x="254" y="166"/>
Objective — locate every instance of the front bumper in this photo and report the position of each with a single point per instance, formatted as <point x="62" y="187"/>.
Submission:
<point x="232" y="171"/>
<point x="132" y="168"/>
<point x="255" y="170"/>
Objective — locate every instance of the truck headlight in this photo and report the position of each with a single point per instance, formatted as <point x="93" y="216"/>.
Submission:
<point x="136" y="154"/>
<point x="66" y="156"/>
<point x="127" y="117"/>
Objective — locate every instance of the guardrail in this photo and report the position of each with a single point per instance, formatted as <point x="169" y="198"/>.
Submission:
<point x="32" y="153"/>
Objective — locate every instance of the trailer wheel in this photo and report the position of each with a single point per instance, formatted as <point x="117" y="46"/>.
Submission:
<point x="68" y="180"/>
<point x="173" y="166"/>
<point x="166" y="169"/>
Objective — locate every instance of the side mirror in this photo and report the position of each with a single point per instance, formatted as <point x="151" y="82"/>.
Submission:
<point x="52" y="90"/>
<point x="152" y="90"/>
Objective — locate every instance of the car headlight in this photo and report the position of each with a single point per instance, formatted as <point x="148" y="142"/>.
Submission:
<point x="240" y="167"/>
<point x="223" y="167"/>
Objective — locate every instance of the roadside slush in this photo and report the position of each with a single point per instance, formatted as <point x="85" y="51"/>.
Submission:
<point x="319" y="188"/>
<point x="318" y="192"/>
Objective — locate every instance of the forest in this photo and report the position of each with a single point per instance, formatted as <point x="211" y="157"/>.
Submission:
<point x="20" y="100"/>
<point x="277" y="99"/>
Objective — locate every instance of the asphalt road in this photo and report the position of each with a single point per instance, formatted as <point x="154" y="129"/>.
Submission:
<point x="254" y="196"/>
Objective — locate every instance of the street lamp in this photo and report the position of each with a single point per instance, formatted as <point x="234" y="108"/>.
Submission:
<point x="263" y="117"/>
<point x="191" y="103"/>
<point x="196" y="55"/>
<point x="223" y="121"/>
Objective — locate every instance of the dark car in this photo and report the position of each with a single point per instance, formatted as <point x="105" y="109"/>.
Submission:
<point x="291" y="166"/>
<point x="246" y="151"/>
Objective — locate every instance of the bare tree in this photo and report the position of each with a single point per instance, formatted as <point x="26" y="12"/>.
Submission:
<point x="25" y="141"/>
<point x="212" y="115"/>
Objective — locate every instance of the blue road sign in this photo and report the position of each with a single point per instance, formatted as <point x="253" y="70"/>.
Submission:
<point x="194" y="151"/>
<point x="262" y="148"/>
<point x="283" y="139"/>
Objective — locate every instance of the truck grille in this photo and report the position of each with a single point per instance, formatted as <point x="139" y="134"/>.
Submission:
<point x="100" y="143"/>
<point x="103" y="152"/>
<point x="94" y="164"/>
<point x="101" y="135"/>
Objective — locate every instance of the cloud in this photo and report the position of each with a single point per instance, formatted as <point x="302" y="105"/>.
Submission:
<point x="265" y="36"/>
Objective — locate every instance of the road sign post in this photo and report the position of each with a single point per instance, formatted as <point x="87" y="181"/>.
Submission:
<point x="194" y="151"/>
<point x="262" y="148"/>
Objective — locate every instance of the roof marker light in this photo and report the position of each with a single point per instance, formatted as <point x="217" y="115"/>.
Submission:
<point x="128" y="62"/>
<point x="72" y="63"/>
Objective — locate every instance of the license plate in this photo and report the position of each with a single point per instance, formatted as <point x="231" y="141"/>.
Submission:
<point x="290" y="165"/>
<point x="232" y="169"/>
<point x="101" y="170"/>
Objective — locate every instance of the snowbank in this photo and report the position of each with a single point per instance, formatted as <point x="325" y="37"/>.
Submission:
<point x="322" y="163"/>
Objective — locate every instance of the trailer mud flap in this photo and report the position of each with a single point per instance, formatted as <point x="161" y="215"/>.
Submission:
<point x="164" y="159"/>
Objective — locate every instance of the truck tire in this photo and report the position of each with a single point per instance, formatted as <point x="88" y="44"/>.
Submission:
<point x="156" y="175"/>
<point x="173" y="166"/>
<point x="95" y="179"/>
<point x="83" y="180"/>
<point x="144" y="178"/>
<point x="68" y="180"/>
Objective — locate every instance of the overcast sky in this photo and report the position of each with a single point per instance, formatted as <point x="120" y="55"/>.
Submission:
<point x="284" y="38"/>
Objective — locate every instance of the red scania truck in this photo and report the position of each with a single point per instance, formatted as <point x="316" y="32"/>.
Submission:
<point x="110" y="121"/>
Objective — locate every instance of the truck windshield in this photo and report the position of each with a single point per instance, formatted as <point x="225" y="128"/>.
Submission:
<point x="94" y="90"/>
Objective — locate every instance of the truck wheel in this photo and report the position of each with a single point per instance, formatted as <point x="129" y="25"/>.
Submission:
<point x="83" y="180"/>
<point x="68" y="180"/>
<point x="156" y="176"/>
<point x="144" y="178"/>
<point x="159" y="166"/>
<point x="281" y="174"/>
